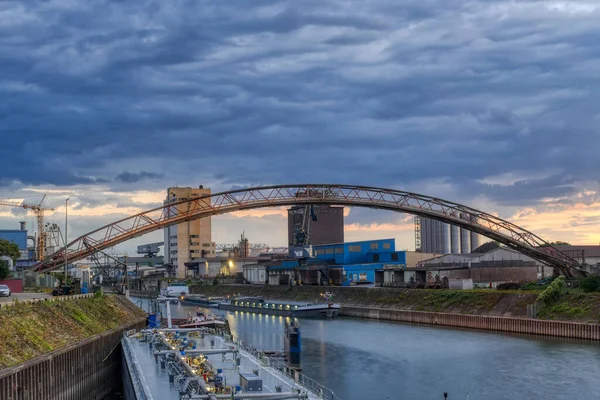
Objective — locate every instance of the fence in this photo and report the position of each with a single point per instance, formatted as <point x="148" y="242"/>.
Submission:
<point x="50" y="299"/>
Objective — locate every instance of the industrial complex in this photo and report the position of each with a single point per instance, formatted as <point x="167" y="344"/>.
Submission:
<point x="316" y="253"/>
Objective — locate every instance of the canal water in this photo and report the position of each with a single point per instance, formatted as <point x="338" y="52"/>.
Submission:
<point x="372" y="360"/>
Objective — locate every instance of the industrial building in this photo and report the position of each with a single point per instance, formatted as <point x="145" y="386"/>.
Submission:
<point x="586" y="255"/>
<point x="498" y="265"/>
<point x="326" y="225"/>
<point x="20" y="237"/>
<point x="188" y="240"/>
<point x="345" y="264"/>
<point x="434" y="236"/>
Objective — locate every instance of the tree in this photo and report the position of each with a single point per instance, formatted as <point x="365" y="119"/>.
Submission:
<point x="4" y="270"/>
<point x="9" y="249"/>
<point x="557" y="243"/>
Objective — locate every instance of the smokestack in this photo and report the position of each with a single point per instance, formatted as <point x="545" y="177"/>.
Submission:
<point x="23" y="225"/>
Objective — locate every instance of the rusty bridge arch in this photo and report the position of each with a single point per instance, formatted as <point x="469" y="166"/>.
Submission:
<point x="287" y="195"/>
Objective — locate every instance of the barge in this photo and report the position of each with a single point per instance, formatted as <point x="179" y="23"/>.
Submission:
<point x="208" y="363"/>
<point x="283" y="308"/>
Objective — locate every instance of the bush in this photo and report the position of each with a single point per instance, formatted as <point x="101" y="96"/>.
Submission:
<point x="4" y="270"/>
<point x="591" y="284"/>
<point x="509" y="286"/>
<point x="553" y="292"/>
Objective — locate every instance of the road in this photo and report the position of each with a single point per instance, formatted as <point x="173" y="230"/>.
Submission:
<point x="24" y="296"/>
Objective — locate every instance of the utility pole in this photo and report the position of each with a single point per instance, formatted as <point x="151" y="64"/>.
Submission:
<point x="66" y="233"/>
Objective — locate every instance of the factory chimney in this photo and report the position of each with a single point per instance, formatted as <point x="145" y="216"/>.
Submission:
<point x="23" y="225"/>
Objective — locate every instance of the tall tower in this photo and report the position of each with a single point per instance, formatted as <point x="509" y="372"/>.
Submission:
<point x="189" y="240"/>
<point x="327" y="229"/>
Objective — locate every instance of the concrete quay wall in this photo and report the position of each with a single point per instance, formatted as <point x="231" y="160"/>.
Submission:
<point x="575" y="330"/>
<point x="87" y="370"/>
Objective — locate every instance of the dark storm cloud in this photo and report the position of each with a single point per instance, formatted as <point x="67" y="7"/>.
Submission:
<point x="134" y="177"/>
<point x="234" y="94"/>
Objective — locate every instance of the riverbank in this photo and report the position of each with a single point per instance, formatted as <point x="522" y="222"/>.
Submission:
<point x="578" y="314"/>
<point x="32" y="329"/>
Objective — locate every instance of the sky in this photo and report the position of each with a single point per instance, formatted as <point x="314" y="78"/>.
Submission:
<point x="489" y="103"/>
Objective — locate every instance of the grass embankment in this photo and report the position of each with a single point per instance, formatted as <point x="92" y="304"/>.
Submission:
<point x="510" y="303"/>
<point x="28" y="330"/>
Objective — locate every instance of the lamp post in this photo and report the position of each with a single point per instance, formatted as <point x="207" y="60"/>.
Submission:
<point x="66" y="233"/>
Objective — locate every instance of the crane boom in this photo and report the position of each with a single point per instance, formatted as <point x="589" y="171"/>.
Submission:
<point x="39" y="213"/>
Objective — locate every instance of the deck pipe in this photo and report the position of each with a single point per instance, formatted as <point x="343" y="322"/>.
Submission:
<point x="270" y="396"/>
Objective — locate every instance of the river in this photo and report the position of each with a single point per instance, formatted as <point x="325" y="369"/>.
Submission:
<point x="373" y="360"/>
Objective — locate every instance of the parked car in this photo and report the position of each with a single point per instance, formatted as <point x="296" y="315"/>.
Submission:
<point x="4" y="291"/>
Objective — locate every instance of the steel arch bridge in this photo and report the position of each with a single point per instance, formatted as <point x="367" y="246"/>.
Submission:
<point x="287" y="195"/>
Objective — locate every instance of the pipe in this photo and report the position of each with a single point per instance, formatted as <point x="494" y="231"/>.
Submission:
<point x="183" y="329"/>
<point x="201" y="382"/>
<point x="270" y="396"/>
<point x="210" y="351"/>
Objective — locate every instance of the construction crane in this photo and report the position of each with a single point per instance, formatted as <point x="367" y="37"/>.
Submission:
<point x="39" y="213"/>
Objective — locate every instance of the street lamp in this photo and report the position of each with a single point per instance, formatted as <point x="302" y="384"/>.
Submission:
<point x="66" y="232"/>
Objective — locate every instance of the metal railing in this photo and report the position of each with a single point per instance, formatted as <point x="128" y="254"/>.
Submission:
<point x="301" y="379"/>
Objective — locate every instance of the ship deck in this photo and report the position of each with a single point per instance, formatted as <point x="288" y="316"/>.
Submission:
<point x="271" y="372"/>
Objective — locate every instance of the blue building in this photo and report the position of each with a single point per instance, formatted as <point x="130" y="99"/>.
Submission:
<point x="352" y="263"/>
<point x="17" y="237"/>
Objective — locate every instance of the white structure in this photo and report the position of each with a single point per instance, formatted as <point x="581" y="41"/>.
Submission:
<point x="442" y="238"/>
<point x="460" y="284"/>
<point x="498" y="254"/>
<point x="255" y="273"/>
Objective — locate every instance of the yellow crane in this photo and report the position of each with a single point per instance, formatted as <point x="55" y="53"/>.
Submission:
<point x="38" y="209"/>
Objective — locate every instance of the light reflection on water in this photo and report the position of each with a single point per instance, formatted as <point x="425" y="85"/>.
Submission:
<point x="362" y="359"/>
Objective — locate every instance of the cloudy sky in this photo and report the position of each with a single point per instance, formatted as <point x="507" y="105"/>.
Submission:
<point x="491" y="103"/>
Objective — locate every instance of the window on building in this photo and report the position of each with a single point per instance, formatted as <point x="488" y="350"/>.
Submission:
<point x="174" y="244"/>
<point x="194" y="236"/>
<point x="375" y="257"/>
<point x="194" y="243"/>
<point x="329" y="250"/>
<point x="174" y="237"/>
<point x="386" y="246"/>
<point x="374" y="246"/>
<point x="213" y="252"/>
<point x="173" y="260"/>
<point x="354" y="249"/>
<point x="339" y="250"/>
<point x="173" y="251"/>
<point x="394" y="256"/>
<point x="205" y="244"/>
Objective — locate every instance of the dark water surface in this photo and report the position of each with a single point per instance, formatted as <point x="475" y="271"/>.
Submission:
<point x="371" y="360"/>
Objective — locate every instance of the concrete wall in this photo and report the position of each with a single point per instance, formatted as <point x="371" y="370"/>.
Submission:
<point x="89" y="369"/>
<point x="574" y="330"/>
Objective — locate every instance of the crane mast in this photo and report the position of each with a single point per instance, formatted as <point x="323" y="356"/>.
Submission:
<point x="39" y="213"/>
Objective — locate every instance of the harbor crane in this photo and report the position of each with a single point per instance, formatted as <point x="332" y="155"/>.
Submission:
<point x="39" y="210"/>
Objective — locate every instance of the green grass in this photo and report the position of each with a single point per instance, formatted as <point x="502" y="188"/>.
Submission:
<point x="32" y="329"/>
